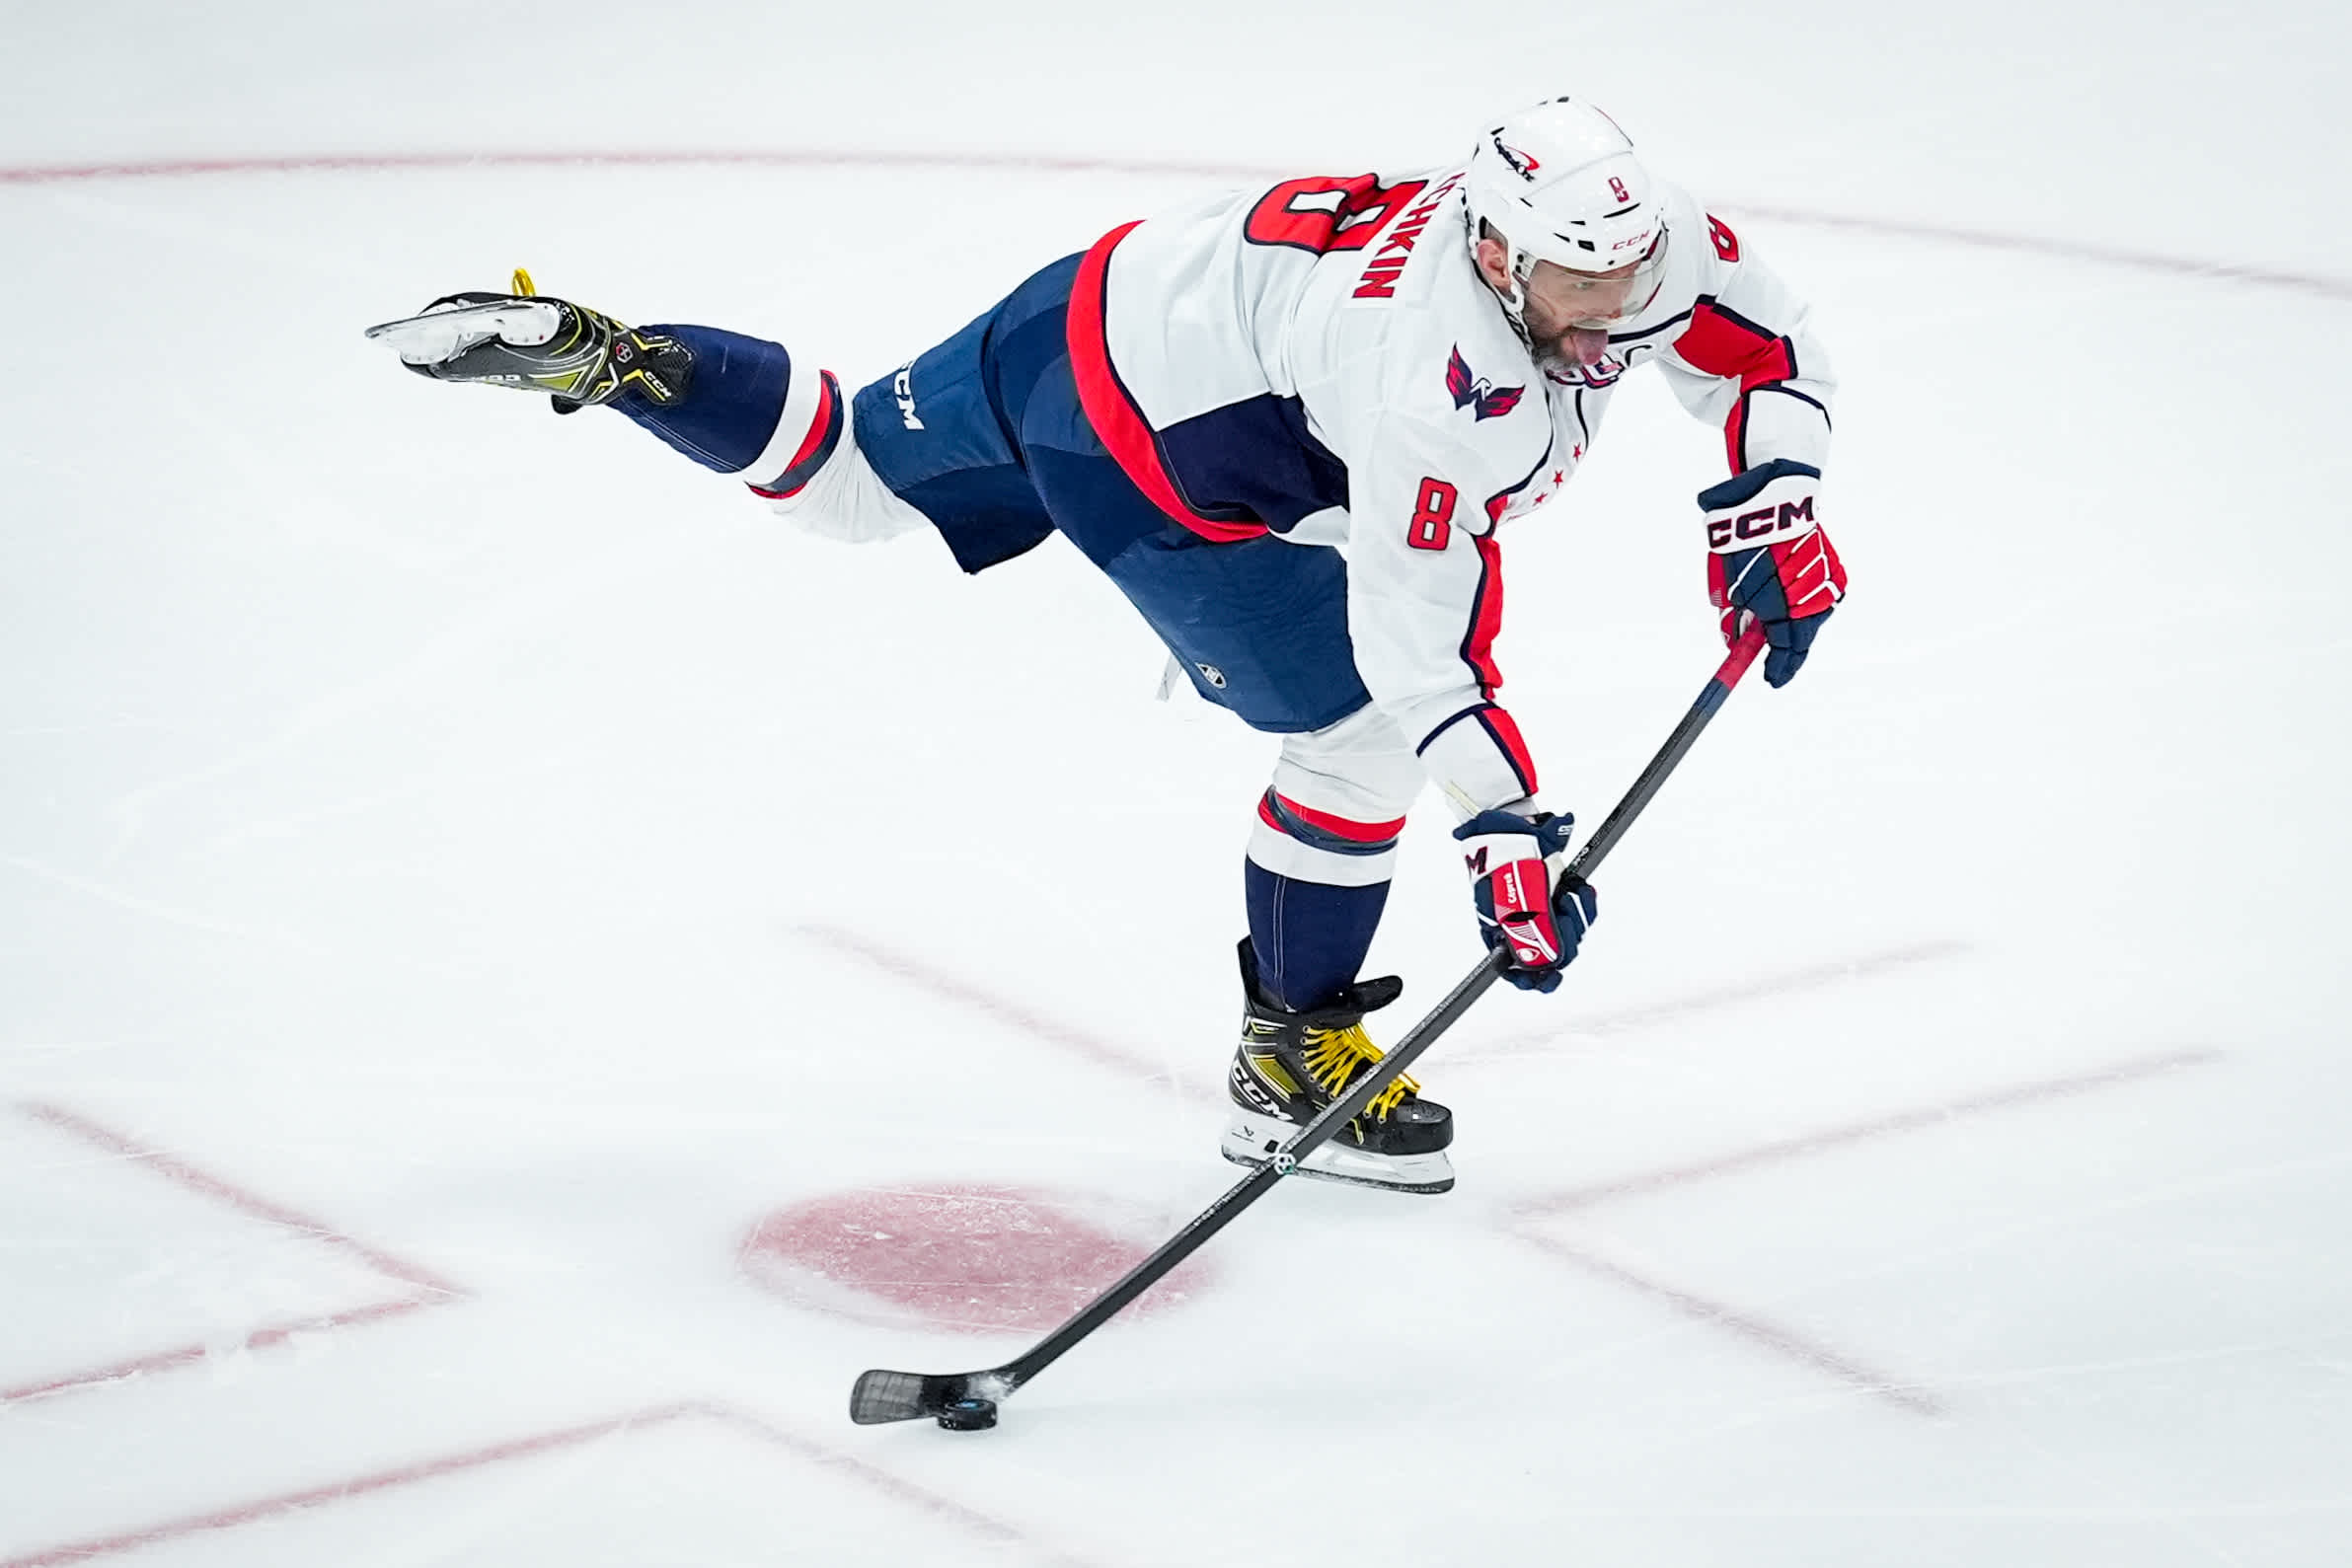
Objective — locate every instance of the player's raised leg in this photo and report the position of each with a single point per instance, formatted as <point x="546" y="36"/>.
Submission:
<point x="737" y="404"/>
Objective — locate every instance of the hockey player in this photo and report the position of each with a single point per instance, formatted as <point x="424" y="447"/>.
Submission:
<point x="1289" y="425"/>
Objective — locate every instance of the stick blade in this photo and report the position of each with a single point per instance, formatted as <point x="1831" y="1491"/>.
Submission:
<point x="880" y="1396"/>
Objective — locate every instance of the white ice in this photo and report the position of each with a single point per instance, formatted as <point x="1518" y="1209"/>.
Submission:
<point x="442" y="847"/>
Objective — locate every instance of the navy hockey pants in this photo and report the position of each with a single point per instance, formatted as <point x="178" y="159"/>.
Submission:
<point x="984" y="436"/>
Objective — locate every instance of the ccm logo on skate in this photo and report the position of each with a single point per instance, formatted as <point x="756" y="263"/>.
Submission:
<point x="1760" y="522"/>
<point x="1249" y="1090"/>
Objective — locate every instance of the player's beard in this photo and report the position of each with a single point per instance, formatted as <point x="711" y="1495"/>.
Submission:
<point x="1564" y="349"/>
<point x="1568" y="353"/>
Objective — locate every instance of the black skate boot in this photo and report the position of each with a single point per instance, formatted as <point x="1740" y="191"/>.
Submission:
<point x="1291" y="1065"/>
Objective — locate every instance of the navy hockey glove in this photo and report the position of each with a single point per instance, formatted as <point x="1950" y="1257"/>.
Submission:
<point x="1769" y="560"/>
<point x="533" y="344"/>
<point x="1525" y="908"/>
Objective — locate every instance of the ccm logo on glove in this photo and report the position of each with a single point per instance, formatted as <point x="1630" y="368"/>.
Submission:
<point x="1770" y="561"/>
<point x="1731" y="532"/>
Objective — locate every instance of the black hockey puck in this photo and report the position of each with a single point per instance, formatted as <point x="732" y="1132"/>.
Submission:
<point x="968" y="1415"/>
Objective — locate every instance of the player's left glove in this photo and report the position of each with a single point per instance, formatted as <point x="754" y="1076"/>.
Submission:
<point x="534" y="344"/>
<point x="1526" y="906"/>
<point x="1769" y="560"/>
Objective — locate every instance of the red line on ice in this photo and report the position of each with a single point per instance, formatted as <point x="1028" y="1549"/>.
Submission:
<point x="1915" y="1120"/>
<point x="780" y="158"/>
<point x="427" y="1287"/>
<point x="188" y="1355"/>
<point x="357" y="1486"/>
<point x="881" y="1480"/>
<point x="1018" y="163"/>
<point x="1735" y="994"/>
<point x="1757" y="1330"/>
<point x="2040" y="245"/>
<point x="236" y="1197"/>
<point x="1771" y="1335"/>
<point x="261" y="1509"/>
<point x="1004" y="1010"/>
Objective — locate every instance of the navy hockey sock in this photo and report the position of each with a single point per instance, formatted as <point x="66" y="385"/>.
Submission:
<point x="730" y="406"/>
<point x="1310" y="938"/>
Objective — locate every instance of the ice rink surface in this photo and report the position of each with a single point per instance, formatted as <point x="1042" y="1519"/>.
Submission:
<point x="520" y="976"/>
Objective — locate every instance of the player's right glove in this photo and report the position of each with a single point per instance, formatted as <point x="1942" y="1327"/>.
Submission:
<point x="534" y="344"/>
<point x="1527" y="906"/>
<point x="1769" y="560"/>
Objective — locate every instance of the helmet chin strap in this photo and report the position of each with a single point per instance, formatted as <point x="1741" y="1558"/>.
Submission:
<point x="1519" y="268"/>
<point x="1522" y="267"/>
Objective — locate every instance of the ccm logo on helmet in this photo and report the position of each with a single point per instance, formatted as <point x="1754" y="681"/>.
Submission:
<point x="1760" y="522"/>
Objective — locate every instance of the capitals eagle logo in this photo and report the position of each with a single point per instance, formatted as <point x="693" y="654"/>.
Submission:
<point x="1476" y="393"/>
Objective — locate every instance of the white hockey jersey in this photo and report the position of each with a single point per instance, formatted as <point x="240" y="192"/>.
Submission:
<point x="1322" y="361"/>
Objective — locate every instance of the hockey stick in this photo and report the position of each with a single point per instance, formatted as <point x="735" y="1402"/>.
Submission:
<point x="967" y="1400"/>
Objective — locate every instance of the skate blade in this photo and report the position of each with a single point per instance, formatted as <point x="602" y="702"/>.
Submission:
<point x="445" y="333"/>
<point x="1249" y="1140"/>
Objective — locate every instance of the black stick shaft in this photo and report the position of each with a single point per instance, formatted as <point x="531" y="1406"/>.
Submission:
<point x="1686" y="734"/>
<point x="1227" y="1209"/>
<point x="1420" y="1039"/>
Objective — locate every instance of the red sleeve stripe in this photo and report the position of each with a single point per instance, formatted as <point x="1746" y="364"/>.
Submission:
<point x="1723" y="343"/>
<point x="1126" y="434"/>
<point x="1485" y="618"/>
<point x="824" y="434"/>
<point x="1513" y="746"/>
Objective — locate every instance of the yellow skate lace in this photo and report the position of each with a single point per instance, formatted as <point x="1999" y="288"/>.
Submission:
<point x="1333" y="1055"/>
<point x="573" y="383"/>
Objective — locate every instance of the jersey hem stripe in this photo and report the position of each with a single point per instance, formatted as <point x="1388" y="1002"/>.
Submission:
<point x="1126" y="434"/>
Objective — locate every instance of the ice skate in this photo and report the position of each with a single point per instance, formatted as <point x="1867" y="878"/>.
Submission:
<point x="531" y="342"/>
<point x="1289" y="1066"/>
